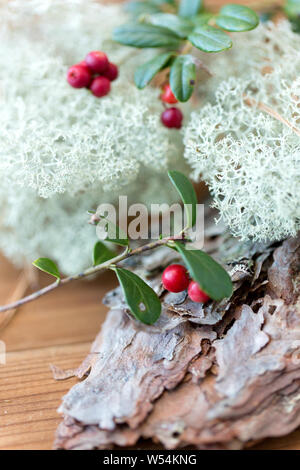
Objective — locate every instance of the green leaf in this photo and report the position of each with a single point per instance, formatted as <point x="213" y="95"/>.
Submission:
<point x="145" y="35"/>
<point x="209" y="274"/>
<point x="292" y="9"/>
<point x="141" y="299"/>
<point x="189" y="8"/>
<point x="237" y="18"/>
<point x="187" y="194"/>
<point x="144" y="73"/>
<point x="102" y="253"/>
<point x="48" y="266"/>
<point x="180" y="26"/>
<point x="210" y="39"/>
<point x="201" y="19"/>
<point x="161" y="2"/>
<point x="114" y="233"/>
<point x="138" y="8"/>
<point x="183" y="77"/>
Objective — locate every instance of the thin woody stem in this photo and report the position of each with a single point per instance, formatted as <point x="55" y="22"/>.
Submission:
<point x="267" y="109"/>
<point x="88" y="272"/>
<point x="186" y="48"/>
<point x="21" y="287"/>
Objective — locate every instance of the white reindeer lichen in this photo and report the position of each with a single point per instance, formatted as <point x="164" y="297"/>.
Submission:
<point x="63" y="152"/>
<point x="64" y="144"/>
<point x="56" y="139"/>
<point x="246" y="145"/>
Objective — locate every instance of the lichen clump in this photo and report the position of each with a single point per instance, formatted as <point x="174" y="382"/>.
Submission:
<point x="54" y="139"/>
<point x="62" y="151"/>
<point x="58" y="143"/>
<point x="246" y="144"/>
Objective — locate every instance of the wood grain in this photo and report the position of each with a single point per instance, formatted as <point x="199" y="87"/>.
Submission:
<point x="57" y="329"/>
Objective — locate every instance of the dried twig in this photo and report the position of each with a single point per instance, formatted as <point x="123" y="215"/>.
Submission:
<point x="264" y="107"/>
<point x="20" y="289"/>
<point x="88" y="272"/>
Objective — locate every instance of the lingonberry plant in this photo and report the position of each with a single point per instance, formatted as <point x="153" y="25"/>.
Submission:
<point x="112" y="72"/>
<point x="94" y="72"/>
<point x="100" y="86"/>
<point x="178" y="27"/>
<point x="211" y="279"/>
<point x="175" y="278"/>
<point x="172" y="118"/>
<point x="196" y="294"/>
<point x="167" y="95"/>
<point x="79" y="76"/>
<point x="97" y="61"/>
<point x="292" y="11"/>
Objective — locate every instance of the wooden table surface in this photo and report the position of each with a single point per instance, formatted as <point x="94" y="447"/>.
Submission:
<point x="58" y="329"/>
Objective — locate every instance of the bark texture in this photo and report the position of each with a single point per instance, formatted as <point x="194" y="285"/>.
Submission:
<point x="219" y="377"/>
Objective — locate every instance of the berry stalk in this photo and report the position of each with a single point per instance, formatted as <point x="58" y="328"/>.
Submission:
<point x="88" y="272"/>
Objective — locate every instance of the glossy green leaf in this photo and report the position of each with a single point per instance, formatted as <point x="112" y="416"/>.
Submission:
<point x="210" y="39"/>
<point x="102" y="253"/>
<point x="292" y="9"/>
<point x="187" y="193"/>
<point x="138" y="8"/>
<point x="143" y="35"/>
<point x="144" y="73"/>
<point x="201" y="19"/>
<point x="188" y="8"/>
<point x="237" y="18"/>
<point x="209" y="274"/>
<point x="181" y="26"/>
<point x="108" y="231"/>
<point x="141" y="298"/>
<point x="48" y="266"/>
<point x="183" y="77"/>
<point x="161" y="2"/>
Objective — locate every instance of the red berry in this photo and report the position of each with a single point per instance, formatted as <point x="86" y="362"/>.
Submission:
<point x="97" y="61"/>
<point x="111" y="72"/>
<point x="175" y="278"/>
<point x="79" y="76"/>
<point x="84" y="64"/>
<point x="100" y="86"/>
<point x="172" y="117"/>
<point x="196" y="294"/>
<point x="167" y="96"/>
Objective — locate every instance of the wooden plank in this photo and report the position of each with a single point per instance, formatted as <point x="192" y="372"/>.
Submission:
<point x="29" y="397"/>
<point x="71" y="314"/>
<point x="57" y="328"/>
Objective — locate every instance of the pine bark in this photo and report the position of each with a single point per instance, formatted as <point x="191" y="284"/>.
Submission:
<point x="221" y="376"/>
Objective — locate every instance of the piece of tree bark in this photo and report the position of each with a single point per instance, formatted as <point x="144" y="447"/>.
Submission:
<point x="223" y="376"/>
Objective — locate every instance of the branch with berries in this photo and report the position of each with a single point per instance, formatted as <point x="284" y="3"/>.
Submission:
<point x="179" y="27"/>
<point x="176" y="27"/>
<point x="94" y="72"/>
<point x="204" y="278"/>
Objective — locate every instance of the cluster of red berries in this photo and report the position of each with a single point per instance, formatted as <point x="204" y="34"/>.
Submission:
<point x="94" y="72"/>
<point x="171" y="117"/>
<point x="175" y="278"/>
